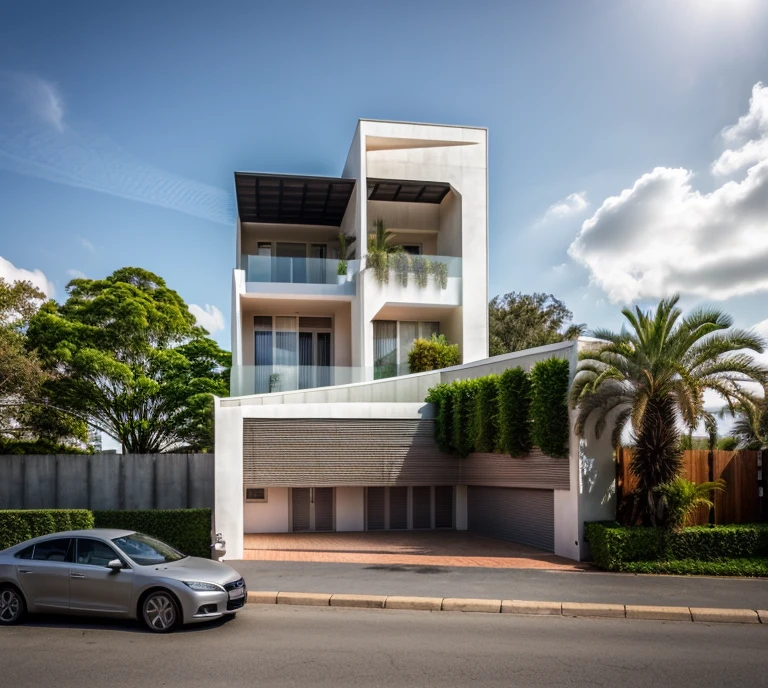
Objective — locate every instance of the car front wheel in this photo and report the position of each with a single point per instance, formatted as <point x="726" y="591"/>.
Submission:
<point x="11" y="605"/>
<point x="160" y="612"/>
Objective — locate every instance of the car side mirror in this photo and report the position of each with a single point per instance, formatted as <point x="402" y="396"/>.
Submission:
<point x="115" y="564"/>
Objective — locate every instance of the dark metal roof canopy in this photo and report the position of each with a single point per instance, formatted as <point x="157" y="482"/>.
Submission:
<point x="407" y="191"/>
<point x="290" y="199"/>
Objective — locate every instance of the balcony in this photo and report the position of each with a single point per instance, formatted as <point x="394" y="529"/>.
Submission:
<point x="417" y="280"/>
<point x="298" y="275"/>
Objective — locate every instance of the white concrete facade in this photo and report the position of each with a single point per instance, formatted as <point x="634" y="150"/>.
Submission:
<point x="454" y="230"/>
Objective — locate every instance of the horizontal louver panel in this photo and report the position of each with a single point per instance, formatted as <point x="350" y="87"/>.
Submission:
<point x="525" y="516"/>
<point x="328" y="452"/>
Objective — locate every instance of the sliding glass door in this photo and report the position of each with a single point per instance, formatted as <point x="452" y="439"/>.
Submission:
<point x="392" y="342"/>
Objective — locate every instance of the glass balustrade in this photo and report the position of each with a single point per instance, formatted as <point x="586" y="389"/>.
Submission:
<point x="296" y="270"/>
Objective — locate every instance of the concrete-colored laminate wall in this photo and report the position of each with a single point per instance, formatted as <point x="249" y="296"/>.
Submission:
<point x="106" y="481"/>
<point x="271" y="516"/>
<point x="350" y="508"/>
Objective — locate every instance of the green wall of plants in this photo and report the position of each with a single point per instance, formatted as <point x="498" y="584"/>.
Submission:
<point x="508" y="413"/>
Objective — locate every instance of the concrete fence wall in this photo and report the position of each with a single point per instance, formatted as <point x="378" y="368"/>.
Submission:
<point x="106" y="481"/>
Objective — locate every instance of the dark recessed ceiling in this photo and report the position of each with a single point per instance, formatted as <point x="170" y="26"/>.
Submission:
<point x="406" y="191"/>
<point x="290" y="199"/>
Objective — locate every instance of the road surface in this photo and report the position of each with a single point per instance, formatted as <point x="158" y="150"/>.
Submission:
<point x="305" y="647"/>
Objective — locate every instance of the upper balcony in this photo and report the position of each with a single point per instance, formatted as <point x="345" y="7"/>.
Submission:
<point x="416" y="280"/>
<point x="299" y="275"/>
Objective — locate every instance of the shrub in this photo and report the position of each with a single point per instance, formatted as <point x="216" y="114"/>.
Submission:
<point x="514" y="406"/>
<point x="401" y="262"/>
<point x="420" y="266"/>
<point x="728" y="444"/>
<point x="486" y="415"/>
<point x="17" y="525"/>
<point x="549" y="406"/>
<point x="632" y="548"/>
<point x="188" y="530"/>
<point x="440" y="396"/>
<point x="432" y="354"/>
<point x="440" y="271"/>
<point x="691" y="567"/>
<point x="463" y="439"/>
<point x="681" y="498"/>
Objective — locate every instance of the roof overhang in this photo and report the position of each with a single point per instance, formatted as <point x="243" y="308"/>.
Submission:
<point x="403" y="191"/>
<point x="292" y="199"/>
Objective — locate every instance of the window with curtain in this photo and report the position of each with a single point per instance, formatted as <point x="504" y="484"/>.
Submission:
<point x="262" y="337"/>
<point x="384" y="348"/>
<point x="287" y="351"/>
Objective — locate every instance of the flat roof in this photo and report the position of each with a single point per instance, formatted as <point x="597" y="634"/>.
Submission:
<point x="292" y="199"/>
<point x="405" y="191"/>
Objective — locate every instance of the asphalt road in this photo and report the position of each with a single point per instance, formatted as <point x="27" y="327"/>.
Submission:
<point x="302" y="647"/>
<point x="520" y="584"/>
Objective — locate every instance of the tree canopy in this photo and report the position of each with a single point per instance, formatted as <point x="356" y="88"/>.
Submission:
<point x="522" y="321"/>
<point x="124" y="354"/>
<point x="653" y="375"/>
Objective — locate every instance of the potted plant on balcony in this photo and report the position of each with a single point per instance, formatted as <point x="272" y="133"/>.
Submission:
<point x="342" y="270"/>
<point x="380" y="248"/>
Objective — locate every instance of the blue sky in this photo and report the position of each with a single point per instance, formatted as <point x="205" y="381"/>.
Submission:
<point x="612" y="177"/>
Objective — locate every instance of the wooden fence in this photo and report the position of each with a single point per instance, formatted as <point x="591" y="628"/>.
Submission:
<point x="743" y="472"/>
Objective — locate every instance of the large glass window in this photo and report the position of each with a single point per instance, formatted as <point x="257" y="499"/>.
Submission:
<point x="392" y="342"/>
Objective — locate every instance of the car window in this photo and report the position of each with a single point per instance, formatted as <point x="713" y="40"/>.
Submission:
<point x="94" y="552"/>
<point x="147" y="551"/>
<point x="53" y="550"/>
<point x="26" y="553"/>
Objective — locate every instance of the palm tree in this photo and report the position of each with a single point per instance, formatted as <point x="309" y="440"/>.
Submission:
<point x="751" y="425"/>
<point x="681" y="498"/>
<point x="380" y="247"/>
<point x="652" y="378"/>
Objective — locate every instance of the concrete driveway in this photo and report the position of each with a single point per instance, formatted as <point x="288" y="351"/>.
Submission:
<point x="421" y="548"/>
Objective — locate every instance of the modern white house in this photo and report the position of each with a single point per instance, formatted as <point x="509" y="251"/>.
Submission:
<point x="326" y="428"/>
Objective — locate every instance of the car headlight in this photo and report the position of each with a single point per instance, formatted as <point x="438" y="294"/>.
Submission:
<point x="204" y="587"/>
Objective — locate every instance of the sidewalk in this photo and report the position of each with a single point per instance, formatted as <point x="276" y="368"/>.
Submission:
<point x="517" y="584"/>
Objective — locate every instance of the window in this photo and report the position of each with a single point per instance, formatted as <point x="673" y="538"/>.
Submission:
<point x="94" y="552"/>
<point x="413" y="249"/>
<point x="53" y="550"/>
<point x="393" y="340"/>
<point x="26" y="553"/>
<point x="146" y="551"/>
<point x="255" y="494"/>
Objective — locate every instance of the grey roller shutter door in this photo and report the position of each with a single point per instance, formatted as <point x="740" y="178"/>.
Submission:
<point x="422" y="507"/>
<point x="375" y="508"/>
<point x="514" y="514"/>
<point x="398" y="508"/>
<point x="323" y="508"/>
<point x="300" y="508"/>
<point x="443" y="507"/>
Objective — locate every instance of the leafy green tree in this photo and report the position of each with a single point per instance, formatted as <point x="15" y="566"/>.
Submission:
<point x="522" y="321"/>
<point x="125" y="356"/>
<point x="653" y="376"/>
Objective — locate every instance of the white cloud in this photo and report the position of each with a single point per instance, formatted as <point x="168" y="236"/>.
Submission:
<point x="11" y="273"/>
<point x="662" y="235"/>
<point x="572" y="204"/>
<point x="37" y="140"/>
<point x="210" y="317"/>
<point x="87" y="245"/>
<point x="76" y="274"/>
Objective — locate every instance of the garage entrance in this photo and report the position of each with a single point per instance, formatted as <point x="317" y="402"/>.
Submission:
<point x="312" y="509"/>
<point x="409" y="508"/>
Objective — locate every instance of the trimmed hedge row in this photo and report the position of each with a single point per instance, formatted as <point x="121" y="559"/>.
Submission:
<point x="17" y="525"/>
<point x="188" y="530"/>
<point x="713" y="549"/>
<point x="506" y="413"/>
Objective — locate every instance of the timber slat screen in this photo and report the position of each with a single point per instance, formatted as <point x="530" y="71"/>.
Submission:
<point x="741" y="501"/>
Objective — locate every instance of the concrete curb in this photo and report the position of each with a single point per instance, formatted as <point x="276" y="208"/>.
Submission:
<point x="520" y="607"/>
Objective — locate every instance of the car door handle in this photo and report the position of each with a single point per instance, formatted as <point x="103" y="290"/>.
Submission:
<point x="77" y="575"/>
<point x="24" y="571"/>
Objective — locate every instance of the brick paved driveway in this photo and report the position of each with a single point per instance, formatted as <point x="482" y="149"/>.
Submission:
<point x="425" y="548"/>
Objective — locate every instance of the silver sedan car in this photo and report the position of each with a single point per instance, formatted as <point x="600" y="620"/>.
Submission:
<point x="118" y="573"/>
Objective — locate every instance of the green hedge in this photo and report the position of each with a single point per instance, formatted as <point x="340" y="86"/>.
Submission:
<point x="713" y="549"/>
<point x="514" y="407"/>
<point x="507" y="413"/>
<point x="486" y="415"/>
<point x="17" y="525"/>
<point x="549" y="406"/>
<point x="188" y="530"/>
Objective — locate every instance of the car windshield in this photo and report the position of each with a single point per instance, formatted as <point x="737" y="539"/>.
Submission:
<point x="146" y="551"/>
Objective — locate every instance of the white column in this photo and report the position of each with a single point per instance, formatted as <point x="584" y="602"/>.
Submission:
<point x="228" y="478"/>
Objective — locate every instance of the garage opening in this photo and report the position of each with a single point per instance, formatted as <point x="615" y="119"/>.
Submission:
<point x="410" y="508"/>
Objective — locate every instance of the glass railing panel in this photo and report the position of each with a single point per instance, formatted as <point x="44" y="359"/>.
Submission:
<point x="287" y="270"/>
<point x="422" y="270"/>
